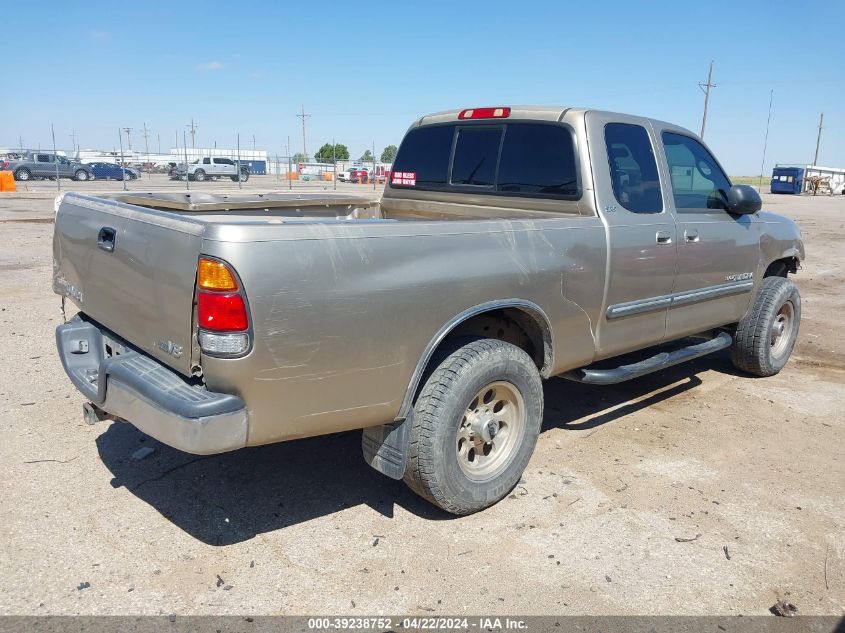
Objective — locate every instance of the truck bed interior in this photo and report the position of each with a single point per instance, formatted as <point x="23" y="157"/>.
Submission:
<point x="283" y="208"/>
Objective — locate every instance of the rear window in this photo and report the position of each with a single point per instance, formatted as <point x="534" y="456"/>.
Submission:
<point x="513" y="159"/>
<point x="538" y="159"/>
<point x="425" y="152"/>
<point x="476" y="155"/>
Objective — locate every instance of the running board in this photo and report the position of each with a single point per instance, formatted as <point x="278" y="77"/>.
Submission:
<point x="649" y="365"/>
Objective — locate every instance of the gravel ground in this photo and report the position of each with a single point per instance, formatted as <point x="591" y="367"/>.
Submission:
<point x="692" y="491"/>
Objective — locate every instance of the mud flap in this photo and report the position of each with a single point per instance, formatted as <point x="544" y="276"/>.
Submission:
<point x="386" y="447"/>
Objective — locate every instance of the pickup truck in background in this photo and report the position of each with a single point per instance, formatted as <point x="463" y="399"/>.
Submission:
<point x="510" y="245"/>
<point x="45" y="165"/>
<point x="212" y="168"/>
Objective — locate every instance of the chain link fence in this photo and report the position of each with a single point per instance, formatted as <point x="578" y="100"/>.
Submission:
<point x="181" y="165"/>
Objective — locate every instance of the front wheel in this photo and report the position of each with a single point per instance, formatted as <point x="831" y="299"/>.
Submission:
<point x="766" y="335"/>
<point x="81" y="175"/>
<point x="23" y="174"/>
<point x="475" y="425"/>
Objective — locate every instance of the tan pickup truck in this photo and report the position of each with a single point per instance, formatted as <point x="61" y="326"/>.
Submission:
<point x="511" y="244"/>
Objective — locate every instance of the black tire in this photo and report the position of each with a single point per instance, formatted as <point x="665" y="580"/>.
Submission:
<point x="199" y="175"/>
<point x="23" y="174"/>
<point x="80" y="175"/>
<point x="765" y="336"/>
<point x="441" y="409"/>
<point x="244" y="176"/>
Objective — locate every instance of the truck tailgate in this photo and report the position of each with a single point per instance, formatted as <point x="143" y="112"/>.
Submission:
<point x="132" y="269"/>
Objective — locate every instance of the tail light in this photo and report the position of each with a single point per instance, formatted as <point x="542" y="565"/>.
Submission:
<point x="485" y="113"/>
<point x="222" y="313"/>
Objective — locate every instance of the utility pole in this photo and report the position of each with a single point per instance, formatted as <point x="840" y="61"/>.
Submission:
<point x="818" y="140"/>
<point x="145" y="135"/>
<point x="765" y="142"/>
<point x="72" y="136"/>
<point x="193" y="132"/>
<point x="304" y="116"/>
<point x="128" y="131"/>
<point x="56" y="158"/>
<point x="253" y="142"/>
<point x="20" y="142"/>
<point x="158" y="136"/>
<point x="290" y="182"/>
<point x="705" y="88"/>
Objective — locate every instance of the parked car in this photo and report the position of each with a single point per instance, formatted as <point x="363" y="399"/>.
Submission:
<point x="213" y="168"/>
<point x="111" y="171"/>
<point x="44" y="165"/>
<point x="354" y="174"/>
<point x="510" y="245"/>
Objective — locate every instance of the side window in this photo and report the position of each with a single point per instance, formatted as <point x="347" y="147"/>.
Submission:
<point x="538" y="159"/>
<point x="698" y="183"/>
<point x="633" y="170"/>
<point x="425" y="154"/>
<point x="44" y="158"/>
<point x="206" y="161"/>
<point x="476" y="154"/>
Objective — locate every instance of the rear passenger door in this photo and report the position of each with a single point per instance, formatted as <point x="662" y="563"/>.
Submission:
<point x="641" y="231"/>
<point x="45" y="165"/>
<point x="718" y="253"/>
<point x="220" y="166"/>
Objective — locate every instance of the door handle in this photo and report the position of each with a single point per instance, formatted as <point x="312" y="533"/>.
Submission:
<point x="106" y="238"/>
<point x="691" y="235"/>
<point x="664" y="237"/>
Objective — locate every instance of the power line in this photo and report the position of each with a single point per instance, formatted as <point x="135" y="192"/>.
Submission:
<point x="818" y="139"/>
<point x="706" y="89"/>
<point x="304" y="116"/>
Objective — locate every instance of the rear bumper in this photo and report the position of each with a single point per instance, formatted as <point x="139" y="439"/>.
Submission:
<point x="132" y="386"/>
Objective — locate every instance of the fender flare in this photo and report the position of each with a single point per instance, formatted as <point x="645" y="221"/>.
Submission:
<point x="533" y="310"/>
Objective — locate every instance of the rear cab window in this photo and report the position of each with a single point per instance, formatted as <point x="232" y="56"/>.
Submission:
<point x="521" y="158"/>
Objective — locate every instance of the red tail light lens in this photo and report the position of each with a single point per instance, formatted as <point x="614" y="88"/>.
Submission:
<point x="485" y="113"/>
<point x="221" y="312"/>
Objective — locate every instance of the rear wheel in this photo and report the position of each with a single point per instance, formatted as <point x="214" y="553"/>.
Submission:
<point x="23" y="174"/>
<point x="766" y="335"/>
<point x="475" y="425"/>
<point x="199" y="175"/>
<point x="81" y="175"/>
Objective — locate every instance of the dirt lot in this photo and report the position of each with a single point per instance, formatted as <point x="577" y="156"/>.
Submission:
<point x="750" y="469"/>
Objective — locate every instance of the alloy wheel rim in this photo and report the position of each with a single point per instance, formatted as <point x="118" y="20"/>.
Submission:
<point x="780" y="333"/>
<point x="490" y="431"/>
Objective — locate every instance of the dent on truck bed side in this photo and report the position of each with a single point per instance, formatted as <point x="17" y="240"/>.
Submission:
<point x="343" y="314"/>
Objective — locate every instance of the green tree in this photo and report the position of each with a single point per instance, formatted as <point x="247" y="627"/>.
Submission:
<point x="366" y="157"/>
<point x="327" y="154"/>
<point x="389" y="154"/>
<point x="299" y="157"/>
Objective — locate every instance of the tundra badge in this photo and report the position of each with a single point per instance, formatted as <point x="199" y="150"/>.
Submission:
<point x="170" y="347"/>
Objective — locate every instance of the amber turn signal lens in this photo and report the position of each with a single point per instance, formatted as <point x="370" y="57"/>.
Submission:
<point x="214" y="275"/>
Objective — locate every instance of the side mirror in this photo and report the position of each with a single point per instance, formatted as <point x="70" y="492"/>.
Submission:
<point x="744" y="200"/>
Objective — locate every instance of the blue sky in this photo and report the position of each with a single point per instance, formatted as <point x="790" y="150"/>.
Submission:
<point x="365" y="75"/>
